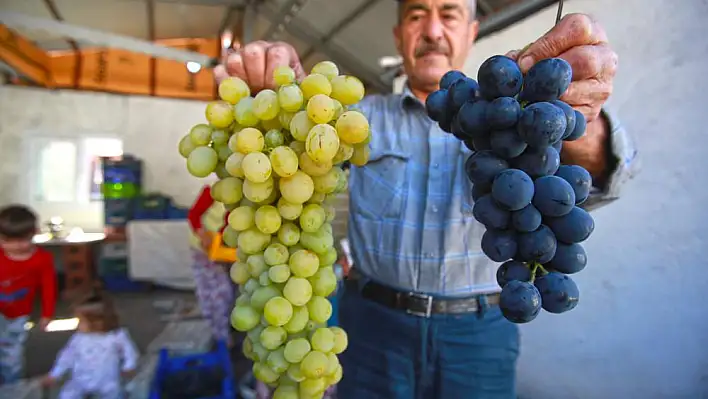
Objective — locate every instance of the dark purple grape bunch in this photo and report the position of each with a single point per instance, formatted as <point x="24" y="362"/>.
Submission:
<point x="529" y="203"/>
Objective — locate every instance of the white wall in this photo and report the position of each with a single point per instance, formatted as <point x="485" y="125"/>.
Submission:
<point x="640" y="330"/>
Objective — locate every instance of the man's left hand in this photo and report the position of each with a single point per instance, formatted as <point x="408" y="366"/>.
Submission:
<point x="580" y="40"/>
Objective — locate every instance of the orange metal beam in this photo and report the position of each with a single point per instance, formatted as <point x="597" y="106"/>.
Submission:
<point x="26" y="58"/>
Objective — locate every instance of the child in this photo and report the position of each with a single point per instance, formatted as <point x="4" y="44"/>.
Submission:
<point x="97" y="355"/>
<point x="215" y="290"/>
<point x="24" y="269"/>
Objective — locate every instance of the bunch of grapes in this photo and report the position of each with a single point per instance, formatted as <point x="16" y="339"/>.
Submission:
<point x="528" y="202"/>
<point x="278" y="157"/>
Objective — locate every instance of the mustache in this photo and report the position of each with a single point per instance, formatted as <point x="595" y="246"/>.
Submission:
<point x="428" y="47"/>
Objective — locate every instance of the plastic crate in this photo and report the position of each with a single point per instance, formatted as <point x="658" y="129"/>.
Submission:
<point x="114" y="250"/>
<point x="113" y="266"/>
<point x="123" y="283"/>
<point x="168" y="366"/>
<point x="117" y="212"/>
<point x="125" y="169"/>
<point x="177" y="213"/>
<point x="151" y="207"/>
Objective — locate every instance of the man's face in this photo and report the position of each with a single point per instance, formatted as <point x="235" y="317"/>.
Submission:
<point x="433" y="37"/>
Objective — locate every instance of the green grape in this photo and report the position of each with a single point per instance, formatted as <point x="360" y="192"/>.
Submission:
<point x="298" y="291"/>
<point x="328" y="257"/>
<point x="186" y="146"/>
<point x="249" y="140"/>
<point x="294" y="372"/>
<point x="336" y="376"/>
<point x="233" y="90"/>
<point x="262" y="295"/>
<point x="253" y="241"/>
<point x="289" y="234"/>
<point x="276" y="360"/>
<point x="285" y="118"/>
<point x="279" y="273"/>
<point x="276" y="254"/>
<point x="314" y="364"/>
<point x="272" y="337"/>
<point x="313" y="168"/>
<point x="314" y="84"/>
<point x="320" y="108"/>
<point x="330" y="212"/>
<point x="268" y="219"/>
<point x="327" y="229"/>
<point x="327" y="183"/>
<point x="256" y="265"/>
<point x="200" y="134"/>
<point x="278" y="311"/>
<point x="298" y="147"/>
<point x="360" y="156"/>
<point x="228" y="190"/>
<point x="333" y="363"/>
<point x="341" y="341"/>
<point x="323" y="282"/>
<point x="263" y="373"/>
<point x="352" y="127"/>
<point x="322" y="340"/>
<point x="317" y="198"/>
<point x="348" y="90"/>
<point x="239" y="273"/>
<point x="320" y="309"/>
<point x="312" y="218"/>
<point x="326" y="68"/>
<point x="264" y="279"/>
<point x="286" y="392"/>
<point x="322" y="143"/>
<point x="244" y="318"/>
<point x="243" y="111"/>
<point x="202" y="161"/>
<point x="230" y="207"/>
<point x="342" y="184"/>
<point x="251" y="286"/>
<point x="220" y="136"/>
<point x="290" y="97"/>
<point x="233" y="164"/>
<point x="242" y="218"/>
<point x="319" y="241"/>
<point x="311" y="387"/>
<point x="284" y="161"/>
<point x="239" y="252"/>
<point x="243" y="300"/>
<point x="344" y="153"/>
<point x="247" y="348"/>
<point x="256" y="167"/>
<point x="288" y="210"/>
<point x="222" y="151"/>
<point x="219" y="114"/>
<point x="299" y="320"/>
<point x="283" y="75"/>
<point x="297" y="189"/>
<point x="265" y="104"/>
<point x="304" y="263"/>
<point x="272" y="198"/>
<point x="271" y="124"/>
<point x="221" y="171"/>
<point x="312" y="326"/>
<point x="300" y="126"/>
<point x="230" y="237"/>
<point x="296" y="350"/>
<point x="258" y="192"/>
<point x="233" y="141"/>
<point x="259" y="352"/>
<point x="338" y="110"/>
<point x="274" y="138"/>
<point x="254" y="334"/>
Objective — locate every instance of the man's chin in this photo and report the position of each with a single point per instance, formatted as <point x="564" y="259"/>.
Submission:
<point x="430" y="77"/>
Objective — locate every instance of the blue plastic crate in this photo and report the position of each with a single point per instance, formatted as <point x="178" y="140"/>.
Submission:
<point x="151" y="207"/>
<point x="169" y="365"/>
<point x="125" y="169"/>
<point x="176" y="212"/>
<point x="122" y="283"/>
<point x="117" y="212"/>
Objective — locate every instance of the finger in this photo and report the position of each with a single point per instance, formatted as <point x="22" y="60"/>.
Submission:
<point x="588" y="96"/>
<point x="295" y="62"/>
<point x="513" y="54"/>
<point x="254" y="63"/>
<point x="220" y="73"/>
<point x="573" y="30"/>
<point x="234" y="66"/>
<point x="277" y="55"/>
<point x="591" y="61"/>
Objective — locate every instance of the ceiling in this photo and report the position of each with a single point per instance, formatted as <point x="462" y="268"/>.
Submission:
<point x="355" y="34"/>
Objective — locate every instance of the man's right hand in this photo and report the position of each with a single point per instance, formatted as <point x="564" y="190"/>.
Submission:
<point x="255" y="62"/>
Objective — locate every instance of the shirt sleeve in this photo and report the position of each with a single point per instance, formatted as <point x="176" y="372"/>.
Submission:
<point x="65" y="358"/>
<point x="48" y="281"/>
<point x="624" y="156"/>
<point x="200" y="206"/>
<point x="129" y="351"/>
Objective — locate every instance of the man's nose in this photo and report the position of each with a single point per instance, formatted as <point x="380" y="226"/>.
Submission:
<point x="433" y="30"/>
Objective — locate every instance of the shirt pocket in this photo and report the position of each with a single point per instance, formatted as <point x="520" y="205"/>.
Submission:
<point x="380" y="189"/>
<point x="466" y="201"/>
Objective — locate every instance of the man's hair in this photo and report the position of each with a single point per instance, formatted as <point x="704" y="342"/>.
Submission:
<point x="17" y="221"/>
<point x="471" y="6"/>
<point x="97" y="310"/>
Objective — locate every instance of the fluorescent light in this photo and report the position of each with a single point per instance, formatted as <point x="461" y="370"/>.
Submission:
<point x="390" y="61"/>
<point x="193" y="67"/>
<point x="63" y="325"/>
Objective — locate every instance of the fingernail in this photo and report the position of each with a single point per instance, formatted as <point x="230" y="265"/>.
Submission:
<point x="526" y="63"/>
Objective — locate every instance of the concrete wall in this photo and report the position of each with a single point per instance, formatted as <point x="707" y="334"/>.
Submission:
<point x="640" y="328"/>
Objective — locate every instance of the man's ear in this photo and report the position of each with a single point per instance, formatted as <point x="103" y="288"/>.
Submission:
<point x="474" y="30"/>
<point x="397" y="38"/>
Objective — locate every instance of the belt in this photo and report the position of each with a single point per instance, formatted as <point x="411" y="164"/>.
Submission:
<point x="425" y="305"/>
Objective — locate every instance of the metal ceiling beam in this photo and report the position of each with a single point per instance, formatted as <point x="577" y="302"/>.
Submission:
<point x="286" y="14"/>
<point x="343" y="24"/>
<point x="485" y="7"/>
<point x="100" y="38"/>
<point x="511" y="15"/>
<point x="224" y="3"/>
<point x="248" y="22"/>
<point x="52" y="7"/>
<point x="302" y="30"/>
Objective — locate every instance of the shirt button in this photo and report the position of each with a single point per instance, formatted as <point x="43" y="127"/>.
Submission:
<point x="435" y="208"/>
<point x="429" y="255"/>
<point x="436" y="165"/>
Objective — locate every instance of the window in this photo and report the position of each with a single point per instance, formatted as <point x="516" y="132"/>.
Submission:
<point x="68" y="170"/>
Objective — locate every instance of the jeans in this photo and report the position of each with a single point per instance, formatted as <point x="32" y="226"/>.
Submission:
<point x="394" y="355"/>
<point x="12" y="347"/>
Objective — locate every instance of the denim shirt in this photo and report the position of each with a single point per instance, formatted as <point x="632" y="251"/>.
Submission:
<point x="410" y="208"/>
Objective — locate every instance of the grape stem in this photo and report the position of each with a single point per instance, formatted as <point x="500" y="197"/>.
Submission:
<point x="535" y="268"/>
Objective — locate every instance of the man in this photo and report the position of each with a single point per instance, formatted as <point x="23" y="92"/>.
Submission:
<point x="422" y="318"/>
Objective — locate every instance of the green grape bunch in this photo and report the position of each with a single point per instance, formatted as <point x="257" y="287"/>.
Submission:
<point x="278" y="156"/>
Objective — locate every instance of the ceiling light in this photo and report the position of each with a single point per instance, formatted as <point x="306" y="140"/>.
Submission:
<point x="193" y="67"/>
<point x="390" y="61"/>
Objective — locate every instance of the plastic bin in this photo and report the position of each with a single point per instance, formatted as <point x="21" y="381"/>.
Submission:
<point x="123" y="283"/>
<point x="151" y="207"/>
<point x="125" y="169"/>
<point x="171" y="368"/>
<point x="113" y="266"/>
<point x="117" y="212"/>
<point x="114" y="250"/>
<point x="177" y="213"/>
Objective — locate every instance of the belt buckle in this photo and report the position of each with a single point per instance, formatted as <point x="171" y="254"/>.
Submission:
<point x="428" y="305"/>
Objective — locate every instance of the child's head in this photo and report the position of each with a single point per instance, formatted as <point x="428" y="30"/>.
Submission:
<point x="18" y="224"/>
<point x="96" y="313"/>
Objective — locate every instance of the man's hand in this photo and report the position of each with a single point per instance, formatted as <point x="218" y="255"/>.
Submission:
<point x="44" y="323"/>
<point x="255" y="63"/>
<point x="581" y="41"/>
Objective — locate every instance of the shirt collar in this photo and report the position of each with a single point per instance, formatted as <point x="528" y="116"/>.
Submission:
<point x="408" y="99"/>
